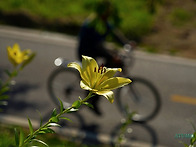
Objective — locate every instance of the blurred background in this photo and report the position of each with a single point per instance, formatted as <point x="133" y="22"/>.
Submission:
<point x="160" y="27"/>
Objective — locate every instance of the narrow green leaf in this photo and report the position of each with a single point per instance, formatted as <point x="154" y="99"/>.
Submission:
<point x="47" y="130"/>
<point x="21" y="137"/>
<point x="14" y="73"/>
<point x="30" y="126"/>
<point x="54" y="113"/>
<point x="54" y="119"/>
<point x="186" y="145"/>
<point x="65" y="118"/>
<point x="41" y="132"/>
<point x="89" y="105"/>
<point x="40" y="141"/>
<point x="80" y="98"/>
<point x="4" y="97"/>
<point x="193" y="139"/>
<point x="8" y="73"/>
<point x="76" y="104"/>
<point x="72" y="110"/>
<point x="16" y="137"/>
<point x="61" y="105"/>
<point x="41" y="118"/>
<point x="53" y="125"/>
<point x="4" y="89"/>
<point x="31" y="57"/>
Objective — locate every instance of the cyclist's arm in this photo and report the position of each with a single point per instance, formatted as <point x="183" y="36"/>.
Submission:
<point x="118" y="35"/>
<point x="122" y="39"/>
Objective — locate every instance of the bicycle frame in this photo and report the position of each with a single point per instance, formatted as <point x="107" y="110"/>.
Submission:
<point x="125" y="53"/>
<point x="134" y="93"/>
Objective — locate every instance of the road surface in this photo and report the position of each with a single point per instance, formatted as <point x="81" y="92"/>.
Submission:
<point x="174" y="78"/>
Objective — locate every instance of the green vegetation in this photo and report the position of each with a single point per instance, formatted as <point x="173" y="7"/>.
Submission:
<point x="7" y="138"/>
<point x="137" y="19"/>
<point x="149" y="22"/>
<point x="6" y="135"/>
<point x="180" y="17"/>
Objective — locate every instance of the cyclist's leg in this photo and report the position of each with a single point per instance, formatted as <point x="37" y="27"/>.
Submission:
<point x="103" y="52"/>
<point x="95" y="102"/>
<point x="112" y="58"/>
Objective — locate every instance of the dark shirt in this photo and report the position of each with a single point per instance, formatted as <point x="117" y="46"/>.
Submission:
<point x="90" y="39"/>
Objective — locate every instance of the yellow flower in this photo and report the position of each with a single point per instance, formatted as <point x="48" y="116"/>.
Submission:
<point x="16" y="56"/>
<point x="99" y="80"/>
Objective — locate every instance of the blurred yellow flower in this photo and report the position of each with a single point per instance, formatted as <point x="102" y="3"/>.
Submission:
<point x="16" y="56"/>
<point x="99" y="80"/>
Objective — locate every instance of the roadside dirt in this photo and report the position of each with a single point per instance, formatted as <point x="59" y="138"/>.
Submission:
<point x="174" y="39"/>
<point x="170" y="35"/>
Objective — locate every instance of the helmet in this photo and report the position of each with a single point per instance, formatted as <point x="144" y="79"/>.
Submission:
<point x="105" y="8"/>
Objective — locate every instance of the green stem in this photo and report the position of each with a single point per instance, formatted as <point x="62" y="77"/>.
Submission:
<point x="44" y="126"/>
<point x="88" y="97"/>
<point x="11" y="77"/>
<point x="58" y="115"/>
<point x="34" y="133"/>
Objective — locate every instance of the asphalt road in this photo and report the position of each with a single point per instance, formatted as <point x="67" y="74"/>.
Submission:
<point x="174" y="78"/>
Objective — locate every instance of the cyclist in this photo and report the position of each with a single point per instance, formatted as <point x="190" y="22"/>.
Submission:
<point x="93" y="34"/>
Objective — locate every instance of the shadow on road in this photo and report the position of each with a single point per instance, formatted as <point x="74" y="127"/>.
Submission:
<point x="136" y="132"/>
<point x="140" y="132"/>
<point x="16" y="100"/>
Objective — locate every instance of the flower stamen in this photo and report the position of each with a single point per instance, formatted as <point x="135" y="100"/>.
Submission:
<point x="101" y="69"/>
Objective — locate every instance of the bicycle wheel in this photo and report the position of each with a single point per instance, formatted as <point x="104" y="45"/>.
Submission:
<point x="130" y="135"/>
<point x="141" y="97"/>
<point x="64" y="84"/>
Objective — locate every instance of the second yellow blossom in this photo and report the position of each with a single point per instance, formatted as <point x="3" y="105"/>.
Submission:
<point x="16" y="56"/>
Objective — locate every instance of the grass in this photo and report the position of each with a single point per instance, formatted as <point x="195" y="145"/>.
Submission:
<point x="135" y="14"/>
<point x="180" y="17"/>
<point x="162" y="30"/>
<point x="7" y="138"/>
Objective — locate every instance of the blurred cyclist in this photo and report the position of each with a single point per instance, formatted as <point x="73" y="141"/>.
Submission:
<point x="93" y="34"/>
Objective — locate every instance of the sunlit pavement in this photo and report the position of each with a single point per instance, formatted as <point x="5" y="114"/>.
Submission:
<point x="174" y="78"/>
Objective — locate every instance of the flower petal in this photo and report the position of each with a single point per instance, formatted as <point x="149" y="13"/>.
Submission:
<point x="15" y="55"/>
<point x="110" y="72"/>
<point x="75" y="65"/>
<point x="16" y="48"/>
<point x="108" y="94"/>
<point x="114" y="83"/>
<point x="78" y="67"/>
<point x="26" y="54"/>
<point x="88" y="67"/>
<point x="10" y="56"/>
<point x="85" y="86"/>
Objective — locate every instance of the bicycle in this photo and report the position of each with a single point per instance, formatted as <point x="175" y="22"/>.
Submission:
<point x="140" y="96"/>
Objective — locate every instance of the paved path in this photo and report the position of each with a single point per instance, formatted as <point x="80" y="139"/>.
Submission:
<point x="174" y="77"/>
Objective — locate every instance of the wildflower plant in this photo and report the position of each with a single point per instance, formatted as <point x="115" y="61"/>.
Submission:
<point x="99" y="80"/>
<point x="124" y="128"/>
<point x="96" y="79"/>
<point x="19" y="59"/>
